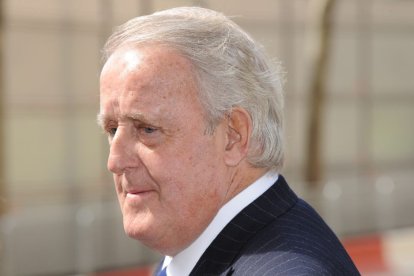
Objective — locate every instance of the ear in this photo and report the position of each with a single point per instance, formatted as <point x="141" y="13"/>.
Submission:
<point x="239" y="128"/>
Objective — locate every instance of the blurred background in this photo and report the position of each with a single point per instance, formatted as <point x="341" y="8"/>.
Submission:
<point x="349" y="128"/>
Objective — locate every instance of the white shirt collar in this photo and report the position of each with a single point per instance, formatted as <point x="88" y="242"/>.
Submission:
<point x="184" y="262"/>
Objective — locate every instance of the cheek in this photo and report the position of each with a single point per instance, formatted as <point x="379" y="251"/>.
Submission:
<point x="178" y="175"/>
<point x="188" y="169"/>
<point x="194" y="165"/>
<point x="117" y="182"/>
<point x="200" y="175"/>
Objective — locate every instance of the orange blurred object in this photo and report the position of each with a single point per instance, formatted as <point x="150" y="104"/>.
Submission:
<point x="367" y="253"/>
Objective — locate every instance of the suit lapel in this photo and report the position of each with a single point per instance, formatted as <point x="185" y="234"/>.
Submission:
<point x="229" y="243"/>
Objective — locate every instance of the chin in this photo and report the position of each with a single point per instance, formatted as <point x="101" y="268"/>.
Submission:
<point x="142" y="232"/>
<point x="143" y="237"/>
<point x="134" y="230"/>
<point x="136" y="223"/>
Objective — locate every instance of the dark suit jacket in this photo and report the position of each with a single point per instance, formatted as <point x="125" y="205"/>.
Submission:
<point x="277" y="234"/>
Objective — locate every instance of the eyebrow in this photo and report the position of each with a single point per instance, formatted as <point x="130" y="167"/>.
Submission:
<point x="102" y="119"/>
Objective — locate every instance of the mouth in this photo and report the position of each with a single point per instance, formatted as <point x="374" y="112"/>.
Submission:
<point x="138" y="195"/>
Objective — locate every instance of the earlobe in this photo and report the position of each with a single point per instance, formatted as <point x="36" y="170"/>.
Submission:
<point x="239" y="126"/>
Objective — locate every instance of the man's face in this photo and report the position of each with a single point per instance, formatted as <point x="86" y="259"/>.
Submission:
<point x="169" y="174"/>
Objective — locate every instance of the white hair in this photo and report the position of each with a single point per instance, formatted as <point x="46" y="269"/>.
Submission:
<point x="231" y="68"/>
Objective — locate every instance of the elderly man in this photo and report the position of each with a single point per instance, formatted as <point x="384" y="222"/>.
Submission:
<point x="193" y="111"/>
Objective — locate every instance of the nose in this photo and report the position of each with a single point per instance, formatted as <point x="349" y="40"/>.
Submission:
<point x="121" y="153"/>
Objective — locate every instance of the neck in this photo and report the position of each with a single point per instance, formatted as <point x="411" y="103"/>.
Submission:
<point x="241" y="178"/>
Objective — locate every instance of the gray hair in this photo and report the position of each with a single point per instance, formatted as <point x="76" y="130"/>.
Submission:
<point x="231" y="68"/>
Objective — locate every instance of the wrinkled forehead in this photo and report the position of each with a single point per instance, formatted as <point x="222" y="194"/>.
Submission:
<point x="152" y="71"/>
<point x="157" y="59"/>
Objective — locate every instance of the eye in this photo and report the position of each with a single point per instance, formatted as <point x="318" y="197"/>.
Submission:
<point x="112" y="131"/>
<point x="149" y="130"/>
<point x="149" y="135"/>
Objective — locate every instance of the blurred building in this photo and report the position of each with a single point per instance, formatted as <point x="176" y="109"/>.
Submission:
<point x="62" y="216"/>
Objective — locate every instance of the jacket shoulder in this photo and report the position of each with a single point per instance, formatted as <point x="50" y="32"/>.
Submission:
<point x="298" y="242"/>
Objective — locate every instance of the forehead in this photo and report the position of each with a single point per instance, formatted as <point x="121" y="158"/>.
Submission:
<point x="147" y="78"/>
<point x="147" y="65"/>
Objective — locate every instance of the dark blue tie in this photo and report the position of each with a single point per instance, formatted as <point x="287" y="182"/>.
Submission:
<point x="162" y="272"/>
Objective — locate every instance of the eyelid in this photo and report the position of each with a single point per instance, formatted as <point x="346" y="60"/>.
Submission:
<point x="146" y="127"/>
<point x="152" y="129"/>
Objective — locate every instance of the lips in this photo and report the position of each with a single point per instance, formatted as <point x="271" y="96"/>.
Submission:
<point x="135" y="192"/>
<point x="129" y="186"/>
<point x="132" y="193"/>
